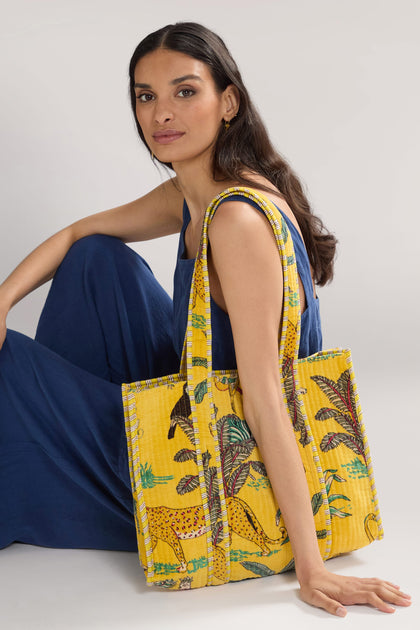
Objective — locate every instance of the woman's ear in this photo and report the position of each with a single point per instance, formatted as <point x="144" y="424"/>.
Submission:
<point x="231" y="102"/>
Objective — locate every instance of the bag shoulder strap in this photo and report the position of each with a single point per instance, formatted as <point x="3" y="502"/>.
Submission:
<point x="197" y="347"/>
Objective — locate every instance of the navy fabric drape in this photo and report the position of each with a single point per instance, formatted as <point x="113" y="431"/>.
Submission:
<point x="64" y="478"/>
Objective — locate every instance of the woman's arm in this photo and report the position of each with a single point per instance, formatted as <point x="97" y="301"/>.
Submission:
<point x="156" y="214"/>
<point x="246" y="259"/>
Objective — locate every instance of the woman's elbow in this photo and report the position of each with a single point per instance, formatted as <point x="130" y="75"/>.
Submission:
<point x="263" y="408"/>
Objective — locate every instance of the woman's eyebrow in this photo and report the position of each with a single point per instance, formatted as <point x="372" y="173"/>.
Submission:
<point x="186" y="77"/>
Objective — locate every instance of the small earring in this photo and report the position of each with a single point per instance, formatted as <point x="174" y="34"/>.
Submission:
<point x="151" y="155"/>
<point x="227" y="124"/>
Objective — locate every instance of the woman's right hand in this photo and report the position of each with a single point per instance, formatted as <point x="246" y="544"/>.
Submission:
<point x="333" y="592"/>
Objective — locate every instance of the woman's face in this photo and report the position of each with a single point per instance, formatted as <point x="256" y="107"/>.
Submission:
<point x="178" y="107"/>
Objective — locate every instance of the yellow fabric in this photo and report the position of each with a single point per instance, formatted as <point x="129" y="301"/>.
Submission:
<point x="204" y="507"/>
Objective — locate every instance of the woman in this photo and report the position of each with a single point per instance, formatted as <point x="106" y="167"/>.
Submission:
<point x="66" y="480"/>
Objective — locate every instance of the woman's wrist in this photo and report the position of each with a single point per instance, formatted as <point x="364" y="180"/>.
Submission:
<point x="306" y="570"/>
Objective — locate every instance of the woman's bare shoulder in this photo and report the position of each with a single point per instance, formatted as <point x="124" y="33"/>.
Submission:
<point x="239" y="222"/>
<point x="273" y="195"/>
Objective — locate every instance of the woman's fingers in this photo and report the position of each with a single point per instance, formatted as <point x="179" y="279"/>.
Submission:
<point x="319" y="599"/>
<point x="380" y="597"/>
<point x="372" y="598"/>
<point x="392" y="595"/>
<point x="332" y="592"/>
<point x="385" y="590"/>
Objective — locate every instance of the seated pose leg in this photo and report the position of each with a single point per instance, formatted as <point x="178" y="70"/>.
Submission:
<point x="64" y="478"/>
<point x="107" y="313"/>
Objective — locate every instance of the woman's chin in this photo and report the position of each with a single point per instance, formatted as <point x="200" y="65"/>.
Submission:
<point x="178" y="161"/>
<point x="179" y="158"/>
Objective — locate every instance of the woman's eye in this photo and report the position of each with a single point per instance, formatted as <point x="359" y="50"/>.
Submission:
<point x="144" y="98"/>
<point x="186" y="92"/>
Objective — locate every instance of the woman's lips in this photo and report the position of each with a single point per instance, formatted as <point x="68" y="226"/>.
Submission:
<point x="165" y="137"/>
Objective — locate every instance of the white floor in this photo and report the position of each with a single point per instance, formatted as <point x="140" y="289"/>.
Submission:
<point x="60" y="589"/>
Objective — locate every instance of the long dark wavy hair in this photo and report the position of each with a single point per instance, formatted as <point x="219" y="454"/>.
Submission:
<point x="246" y="144"/>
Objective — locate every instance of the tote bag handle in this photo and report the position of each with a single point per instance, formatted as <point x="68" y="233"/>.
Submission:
<point x="196" y="359"/>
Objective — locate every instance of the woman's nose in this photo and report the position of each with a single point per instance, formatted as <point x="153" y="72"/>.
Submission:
<point x="163" y="113"/>
<point x="163" y="119"/>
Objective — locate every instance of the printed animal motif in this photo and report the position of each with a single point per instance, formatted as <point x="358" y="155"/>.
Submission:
<point x="174" y="524"/>
<point x="243" y="522"/>
<point x="371" y="533"/>
<point x="219" y="564"/>
<point x="182" y="409"/>
<point x="291" y="334"/>
<point x="199" y="281"/>
<point x="230" y="384"/>
<point x="171" y="525"/>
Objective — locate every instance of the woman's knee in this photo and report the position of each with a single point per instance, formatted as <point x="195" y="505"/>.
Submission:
<point x="106" y="248"/>
<point x="95" y="243"/>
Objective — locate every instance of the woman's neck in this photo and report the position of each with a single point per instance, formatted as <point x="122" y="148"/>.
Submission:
<point x="198" y="187"/>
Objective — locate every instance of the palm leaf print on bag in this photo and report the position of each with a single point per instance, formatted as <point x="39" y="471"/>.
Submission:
<point x="236" y="444"/>
<point x="316" y="501"/>
<point x="340" y="393"/>
<point x="329" y="478"/>
<point x="149" y="479"/>
<point x="290" y="387"/>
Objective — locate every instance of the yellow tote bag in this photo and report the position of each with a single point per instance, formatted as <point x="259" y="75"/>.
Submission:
<point x="204" y="508"/>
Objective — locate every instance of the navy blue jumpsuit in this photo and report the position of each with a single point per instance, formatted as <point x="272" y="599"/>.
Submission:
<point x="64" y="477"/>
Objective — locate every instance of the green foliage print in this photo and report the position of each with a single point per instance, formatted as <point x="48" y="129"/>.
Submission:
<point x="201" y="361"/>
<point x="236" y="444"/>
<point x="322" y="357"/>
<point x="330" y="475"/>
<point x="356" y="469"/>
<point x="263" y="571"/>
<point x="284" y="230"/>
<point x="198" y="321"/>
<point x="340" y="394"/>
<point x="148" y="479"/>
<point x="200" y="391"/>
<point x="289" y="566"/>
<point x="258" y="568"/>
<point x="259" y="484"/>
<point x="293" y="298"/>
<point x="165" y="568"/>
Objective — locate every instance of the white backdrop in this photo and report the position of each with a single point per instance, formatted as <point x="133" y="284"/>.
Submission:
<point x="337" y="84"/>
